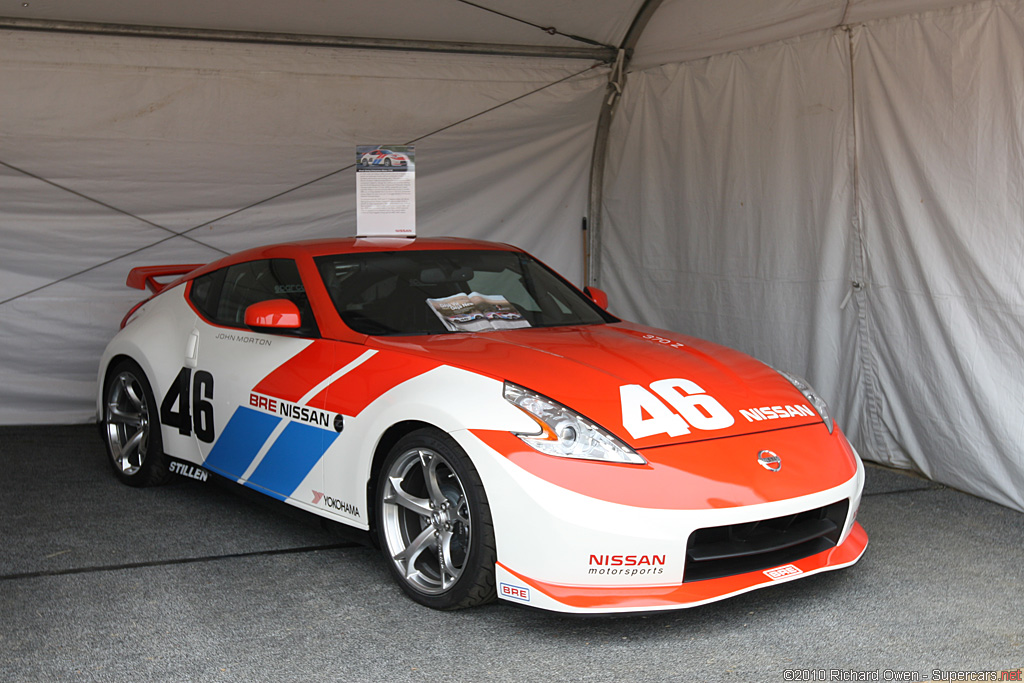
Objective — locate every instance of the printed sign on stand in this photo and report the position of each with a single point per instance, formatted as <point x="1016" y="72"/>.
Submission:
<point x="385" y="191"/>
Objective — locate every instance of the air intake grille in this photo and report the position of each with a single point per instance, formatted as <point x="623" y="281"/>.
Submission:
<point x="739" y="548"/>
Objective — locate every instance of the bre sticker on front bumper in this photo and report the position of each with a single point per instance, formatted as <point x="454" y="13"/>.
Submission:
<point x="515" y="592"/>
<point x="782" y="572"/>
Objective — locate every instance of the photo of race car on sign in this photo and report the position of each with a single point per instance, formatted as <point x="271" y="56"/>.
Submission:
<point x="396" y="157"/>
<point x="495" y="431"/>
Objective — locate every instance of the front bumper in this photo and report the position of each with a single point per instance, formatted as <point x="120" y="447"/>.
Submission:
<point x="565" y="551"/>
<point x="515" y="587"/>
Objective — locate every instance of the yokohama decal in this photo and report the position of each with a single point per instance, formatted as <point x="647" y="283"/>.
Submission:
<point x="341" y="506"/>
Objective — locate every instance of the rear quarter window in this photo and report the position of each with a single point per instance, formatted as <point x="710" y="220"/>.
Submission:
<point x="223" y="296"/>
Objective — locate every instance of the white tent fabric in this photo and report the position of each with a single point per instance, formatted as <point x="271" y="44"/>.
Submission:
<point x="685" y="30"/>
<point x="846" y="205"/>
<point x="831" y="185"/>
<point x="120" y="152"/>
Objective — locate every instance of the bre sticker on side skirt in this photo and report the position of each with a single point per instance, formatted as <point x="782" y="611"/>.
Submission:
<point x="522" y="593"/>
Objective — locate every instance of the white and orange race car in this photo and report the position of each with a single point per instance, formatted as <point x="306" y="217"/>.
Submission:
<point x="384" y="157"/>
<point x="496" y="431"/>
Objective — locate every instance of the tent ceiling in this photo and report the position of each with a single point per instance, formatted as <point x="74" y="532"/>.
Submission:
<point x="682" y="30"/>
<point x="503" y="22"/>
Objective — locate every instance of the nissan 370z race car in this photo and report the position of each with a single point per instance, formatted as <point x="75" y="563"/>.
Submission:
<point x="495" y="430"/>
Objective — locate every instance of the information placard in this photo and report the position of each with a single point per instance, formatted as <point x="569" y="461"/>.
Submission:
<point x="385" y="190"/>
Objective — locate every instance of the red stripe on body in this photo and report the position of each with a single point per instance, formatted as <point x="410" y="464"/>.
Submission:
<point x="296" y="377"/>
<point x="352" y="392"/>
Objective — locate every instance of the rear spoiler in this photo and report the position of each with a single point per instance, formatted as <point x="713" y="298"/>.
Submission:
<point x="145" y="276"/>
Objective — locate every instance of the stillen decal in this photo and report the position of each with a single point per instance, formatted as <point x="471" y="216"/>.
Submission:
<point x="189" y="470"/>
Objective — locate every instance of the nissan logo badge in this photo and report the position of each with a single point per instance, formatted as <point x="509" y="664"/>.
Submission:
<point x="769" y="461"/>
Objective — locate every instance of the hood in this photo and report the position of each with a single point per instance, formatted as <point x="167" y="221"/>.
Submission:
<point x="620" y="376"/>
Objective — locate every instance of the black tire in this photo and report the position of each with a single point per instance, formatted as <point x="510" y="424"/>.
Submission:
<point x="434" y="523"/>
<point x="131" y="427"/>
<point x="387" y="162"/>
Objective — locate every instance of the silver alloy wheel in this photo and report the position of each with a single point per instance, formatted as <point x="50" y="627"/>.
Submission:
<point x="426" y="520"/>
<point x="127" y="422"/>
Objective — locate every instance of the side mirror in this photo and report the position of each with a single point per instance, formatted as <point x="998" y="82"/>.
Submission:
<point x="598" y="296"/>
<point x="273" y="314"/>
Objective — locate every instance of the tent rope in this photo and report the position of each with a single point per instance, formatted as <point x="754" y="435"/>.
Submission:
<point x="185" y="233"/>
<point x="105" y="205"/>
<point x="617" y="78"/>
<point x="550" y="30"/>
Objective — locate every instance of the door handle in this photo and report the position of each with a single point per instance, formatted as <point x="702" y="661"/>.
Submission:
<point x="192" y="349"/>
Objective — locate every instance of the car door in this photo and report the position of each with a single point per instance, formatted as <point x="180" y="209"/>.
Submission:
<point x="250" y="389"/>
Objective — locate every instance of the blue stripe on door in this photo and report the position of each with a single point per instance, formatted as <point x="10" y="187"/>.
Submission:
<point x="240" y="442"/>
<point x="290" y="460"/>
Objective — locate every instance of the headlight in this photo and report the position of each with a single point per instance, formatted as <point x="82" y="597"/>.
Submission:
<point x="817" y="402"/>
<point x="565" y="433"/>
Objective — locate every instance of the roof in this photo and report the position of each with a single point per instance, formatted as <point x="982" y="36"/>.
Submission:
<point x="340" y="245"/>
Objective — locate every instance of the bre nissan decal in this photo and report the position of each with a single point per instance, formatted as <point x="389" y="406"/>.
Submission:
<point x="294" y="411"/>
<point x="627" y="565"/>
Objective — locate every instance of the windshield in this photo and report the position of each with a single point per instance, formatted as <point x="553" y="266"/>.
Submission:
<point x="436" y="292"/>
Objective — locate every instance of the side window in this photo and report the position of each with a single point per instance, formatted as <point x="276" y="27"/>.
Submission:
<point x="203" y="292"/>
<point x="249" y="283"/>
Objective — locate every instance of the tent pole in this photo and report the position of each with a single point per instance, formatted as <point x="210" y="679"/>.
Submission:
<point x="600" y="54"/>
<point x="616" y="82"/>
